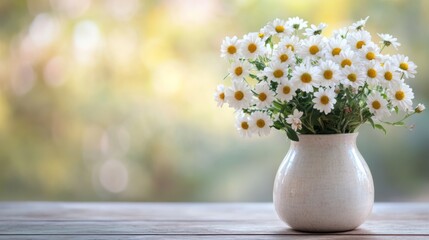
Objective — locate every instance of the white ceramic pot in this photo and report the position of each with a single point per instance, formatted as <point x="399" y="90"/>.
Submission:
<point x="324" y="184"/>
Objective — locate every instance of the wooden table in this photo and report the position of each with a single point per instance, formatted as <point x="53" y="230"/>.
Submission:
<point x="59" y="220"/>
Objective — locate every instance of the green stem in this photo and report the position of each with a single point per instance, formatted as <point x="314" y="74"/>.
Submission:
<point x="384" y="45"/>
<point x="345" y="35"/>
<point x="311" y="129"/>
<point x="400" y="121"/>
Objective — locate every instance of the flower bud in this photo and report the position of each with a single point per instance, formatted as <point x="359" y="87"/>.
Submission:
<point x="420" y="108"/>
<point x="337" y="90"/>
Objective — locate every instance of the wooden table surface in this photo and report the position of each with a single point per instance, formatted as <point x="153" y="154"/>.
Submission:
<point x="59" y="220"/>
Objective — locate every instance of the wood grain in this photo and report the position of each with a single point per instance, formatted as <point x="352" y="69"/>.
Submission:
<point x="48" y="220"/>
<point x="211" y="237"/>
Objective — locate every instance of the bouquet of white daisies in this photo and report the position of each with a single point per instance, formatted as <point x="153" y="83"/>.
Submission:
<point x="311" y="84"/>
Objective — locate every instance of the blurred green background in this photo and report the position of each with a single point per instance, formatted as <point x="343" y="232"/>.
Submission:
<point x="112" y="100"/>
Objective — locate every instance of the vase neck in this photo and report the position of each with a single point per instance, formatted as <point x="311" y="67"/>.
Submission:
<point x="326" y="140"/>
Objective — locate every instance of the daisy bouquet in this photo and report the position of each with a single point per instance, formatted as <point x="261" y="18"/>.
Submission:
<point x="290" y="77"/>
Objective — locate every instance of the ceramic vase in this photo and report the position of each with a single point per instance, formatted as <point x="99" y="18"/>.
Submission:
<point x="323" y="184"/>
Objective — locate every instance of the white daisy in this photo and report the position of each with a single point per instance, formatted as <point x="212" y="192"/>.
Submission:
<point x="243" y="125"/>
<point x="252" y="46"/>
<point x="324" y="100"/>
<point x="312" y="47"/>
<point x="239" y="95"/>
<point x="305" y="77"/>
<point x="359" y="25"/>
<point x="296" y="23"/>
<point x="219" y="95"/>
<point x="385" y="58"/>
<point x="340" y="33"/>
<point x="370" y="52"/>
<point x="294" y="120"/>
<point x="352" y="76"/>
<point x="284" y="54"/>
<point x="230" y="47"/>
<point x="372" y="71"/>
<point x="285" y="91"/>
<point x="276" y="71"/>
<point x="401" y="96"/>
<point x="358" y="39"/>
<point x="291" y="42"/>
<point x="330" y="73"/>
<point x="279" y="27"/>
<point x="378" y="106"/>
<point x="387" y="40"/>
<point x="264" y="96"/>
<point x="261" y="122"/>
<point x="420" y="108"/>
<point x="334" y="47"/>
<point x="405" y="66"/>
<point x="264" y="33"/>
<point x="346" y="58"/>
<point x="239" y="69"/>
<point x="315" y="30"/>
<point x="389" y="75"/>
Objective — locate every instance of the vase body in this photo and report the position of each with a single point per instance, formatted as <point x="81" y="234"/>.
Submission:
<point x="323" y="184"/>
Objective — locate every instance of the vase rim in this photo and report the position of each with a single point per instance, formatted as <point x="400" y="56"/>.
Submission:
<point x="328" y="134"/>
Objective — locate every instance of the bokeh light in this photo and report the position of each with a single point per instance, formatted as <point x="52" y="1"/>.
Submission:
<point x="113" y="100"/>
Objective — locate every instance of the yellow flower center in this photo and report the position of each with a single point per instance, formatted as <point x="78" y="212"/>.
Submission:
<point x="238" y="71"/>
<point x="291" y="47"/>
<point x="244" y="125"/>
<point x="284" y="57"/>
<point x="305" y="78"/>
<point x="260" y="123"/>
<point x="232" y="49"/>
<point x="403" y="66"/>
<point x="324" y="99"/>
<point x="222" y="96"/>
<point x="314" y="49"/>
<point x="372" y="73"/>
<point x="399" y="95"/>
<point x="239" y="95"/>
<point x="252" y="47"/>
<point x="360" y="44"/>
<point x="261" y="35"/>
<point x="336" y="51"/>
<point x="388" y="76"/>
<point x="376" y="105"/>
<point x="262" y="97"/>
<point x="280" y="29"/>
<point x="278" y="73"/>
<point x="352" y="77"/>
<point x="346" y="62"/>
<point x="328" y="74"/>
<point x="370" y="56"/>
<point x="286" y="89"/>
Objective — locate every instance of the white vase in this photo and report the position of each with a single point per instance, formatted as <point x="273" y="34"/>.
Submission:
<point x="323" y="184"/>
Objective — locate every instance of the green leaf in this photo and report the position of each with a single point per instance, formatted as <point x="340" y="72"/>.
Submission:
<point x="268" y="41"/>
<point x="278" y="125"/>
<point x="253" y="76"/>
<point x="277" y="105"/>
<point x="291" y="134"/>
<point x="372" y="122"/>
<point x="400" y="124"/>
<point x="259" y="65"/>
<point x="379" y="126"/>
